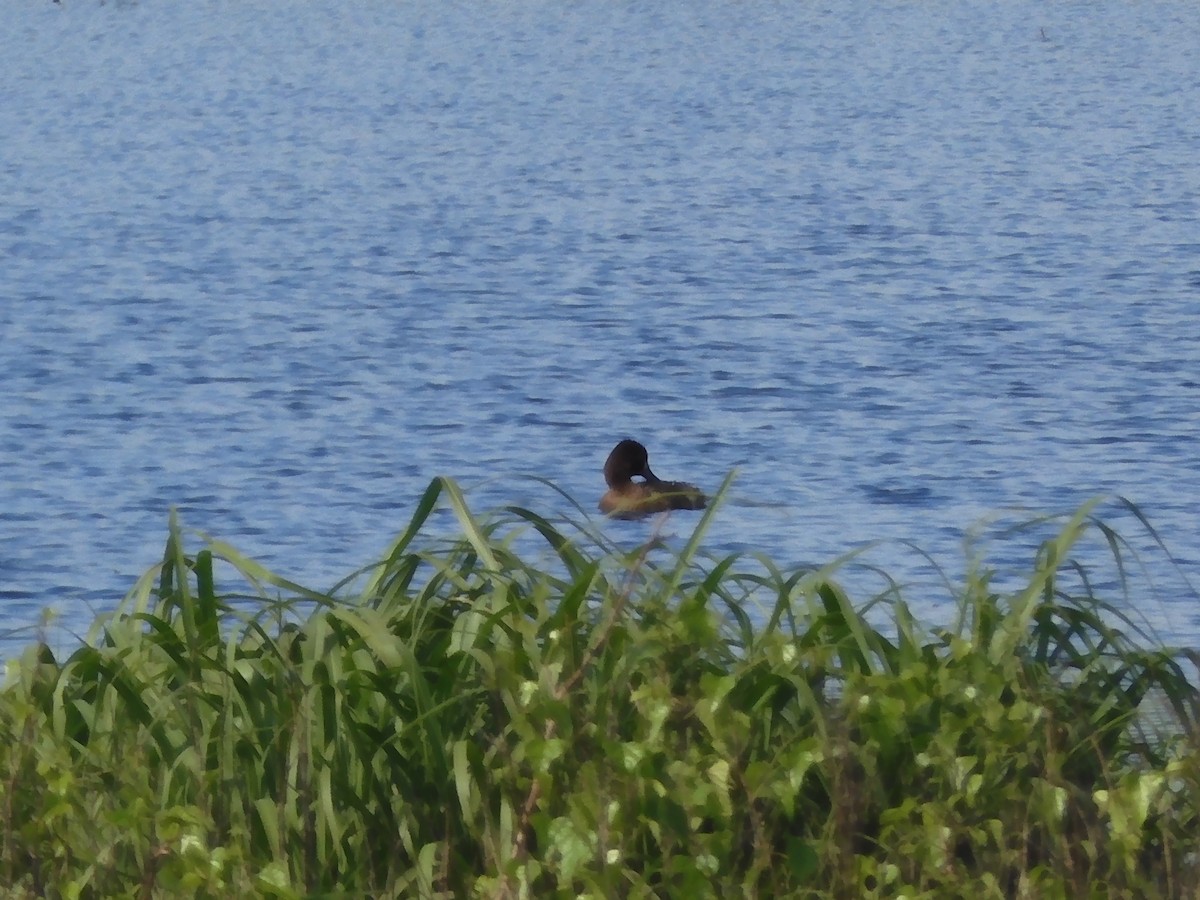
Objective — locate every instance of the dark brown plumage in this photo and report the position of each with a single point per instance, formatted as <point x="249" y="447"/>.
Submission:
<point x="629" y="499"/>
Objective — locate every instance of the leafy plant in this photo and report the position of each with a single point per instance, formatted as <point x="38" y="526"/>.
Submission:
<point x="457" y="720"/>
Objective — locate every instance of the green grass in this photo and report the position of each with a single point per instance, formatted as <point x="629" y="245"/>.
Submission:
<point x="457" y="721"/>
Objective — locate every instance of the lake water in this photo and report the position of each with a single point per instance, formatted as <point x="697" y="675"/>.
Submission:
<point x="898" y="264"/>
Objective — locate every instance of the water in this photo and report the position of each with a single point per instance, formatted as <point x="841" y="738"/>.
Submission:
<point x="900" y="265"/>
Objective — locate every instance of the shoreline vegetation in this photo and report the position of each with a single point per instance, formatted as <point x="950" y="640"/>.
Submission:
<point x="455" y="721"/>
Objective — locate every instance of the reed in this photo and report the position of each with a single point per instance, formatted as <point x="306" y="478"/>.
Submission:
<point x="458" y="720"/>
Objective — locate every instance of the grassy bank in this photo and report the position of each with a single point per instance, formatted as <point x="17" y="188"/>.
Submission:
<point x="461" y="722"/>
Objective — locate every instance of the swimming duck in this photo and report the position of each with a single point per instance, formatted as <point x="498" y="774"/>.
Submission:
<point x="629" y="499"/>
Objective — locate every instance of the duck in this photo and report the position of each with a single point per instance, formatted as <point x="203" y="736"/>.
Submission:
<point x="629" y="499"/>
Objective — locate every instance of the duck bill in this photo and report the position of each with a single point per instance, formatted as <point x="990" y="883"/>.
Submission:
<point x="650" y="477"/>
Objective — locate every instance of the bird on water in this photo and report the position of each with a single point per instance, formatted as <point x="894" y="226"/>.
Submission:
<point x="629" y="499"/>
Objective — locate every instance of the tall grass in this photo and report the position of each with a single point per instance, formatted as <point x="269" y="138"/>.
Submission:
<point x="458" y="721"/>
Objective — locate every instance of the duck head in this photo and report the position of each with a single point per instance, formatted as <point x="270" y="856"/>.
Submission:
<point x="628" y="460"/>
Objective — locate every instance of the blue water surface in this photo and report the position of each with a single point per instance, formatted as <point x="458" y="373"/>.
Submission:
<point x="899" y="265"/>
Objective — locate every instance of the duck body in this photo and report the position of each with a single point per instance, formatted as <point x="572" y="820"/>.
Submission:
<point x="629" y="499"/>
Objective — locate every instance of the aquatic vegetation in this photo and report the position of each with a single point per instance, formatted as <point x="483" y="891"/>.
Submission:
<point x="459" y="721"/>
